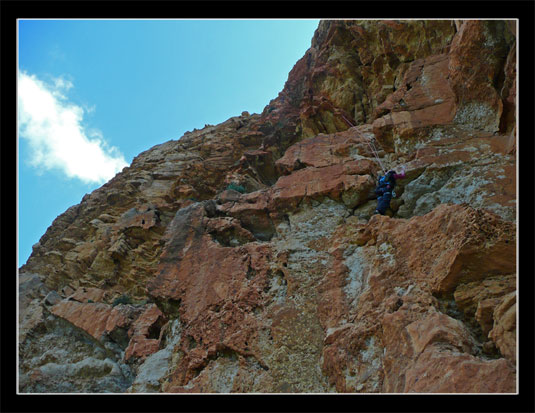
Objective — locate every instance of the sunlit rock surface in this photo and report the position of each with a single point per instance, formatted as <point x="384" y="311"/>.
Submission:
<point x="245" y="256"/>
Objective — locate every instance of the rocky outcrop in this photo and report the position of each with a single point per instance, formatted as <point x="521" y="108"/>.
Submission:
<point x="244" y="257"/>
<point x="407" y="274"/>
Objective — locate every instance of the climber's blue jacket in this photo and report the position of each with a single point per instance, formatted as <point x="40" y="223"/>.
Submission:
<point x="384" y="190"/>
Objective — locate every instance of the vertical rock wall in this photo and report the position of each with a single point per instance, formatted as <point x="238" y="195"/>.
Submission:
<point x="244" y="257"/>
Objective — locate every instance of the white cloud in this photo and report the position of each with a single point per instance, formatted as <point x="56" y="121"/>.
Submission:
<point x="58" y="140"/>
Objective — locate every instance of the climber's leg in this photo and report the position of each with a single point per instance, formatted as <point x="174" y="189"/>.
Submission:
<point x="383" y="202"/>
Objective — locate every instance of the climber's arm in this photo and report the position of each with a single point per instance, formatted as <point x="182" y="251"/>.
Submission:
<point x="401" y="175"/>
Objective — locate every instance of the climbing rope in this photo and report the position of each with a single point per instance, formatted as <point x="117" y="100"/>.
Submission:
<point x="375" y="152"/>
<point x="368" y="141"/>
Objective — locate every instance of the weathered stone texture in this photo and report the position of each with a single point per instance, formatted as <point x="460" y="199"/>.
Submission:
<point x="244" y="257"/>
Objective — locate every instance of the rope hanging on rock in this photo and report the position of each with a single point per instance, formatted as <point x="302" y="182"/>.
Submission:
<point x="368" y="141"/>
<point x="375" y="152"/>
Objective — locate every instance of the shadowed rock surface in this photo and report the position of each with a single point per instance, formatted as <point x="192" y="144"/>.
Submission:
<point x="244" y="257"/>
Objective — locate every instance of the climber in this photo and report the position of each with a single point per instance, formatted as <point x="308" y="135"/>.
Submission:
<point x="385" y="190"/>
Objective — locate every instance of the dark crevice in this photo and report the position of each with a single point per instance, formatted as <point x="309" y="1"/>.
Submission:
<point x="155" y="329"/>
<point x="169" y="306"/>
<point x="120" y="336"/>
<point x="251" y="273"/>
<point x="485" y="348"/>
<point x="262" y="229"/>
<point x="286" y="219"/>
<point x="229" y="238"/>
<point x="191" y="343"/>
<point x="298" y="165"/>
<point x="448" y="306"/>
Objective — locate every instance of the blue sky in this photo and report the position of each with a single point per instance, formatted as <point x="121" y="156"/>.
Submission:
<point x="93" y="94"/>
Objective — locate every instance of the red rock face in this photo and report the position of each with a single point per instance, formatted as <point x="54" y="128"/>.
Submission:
<point x="101" y="320"/>
<point x="141" y="343"/>
<point x="475" y="69"/>
<point x="244" y="257"/>
<point x="95" y="318"/>
<point x="406" y="300"/>
<point x="425" y="98"/>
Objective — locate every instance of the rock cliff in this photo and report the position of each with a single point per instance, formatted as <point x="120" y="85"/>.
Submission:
<point x="245" y="256"/>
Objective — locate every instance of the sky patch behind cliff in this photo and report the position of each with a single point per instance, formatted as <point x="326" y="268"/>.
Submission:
<point x="93" y="94"/>
<point x="56" y="137"/>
